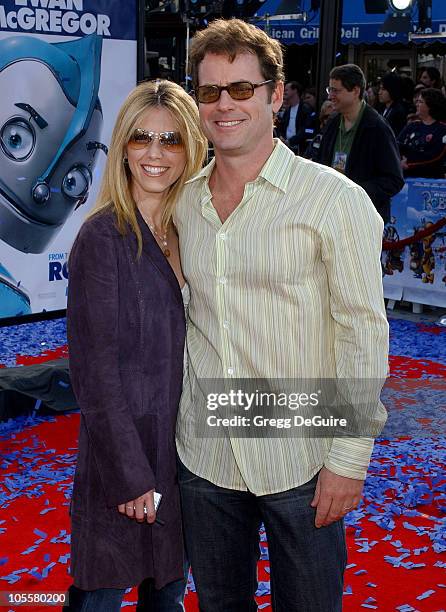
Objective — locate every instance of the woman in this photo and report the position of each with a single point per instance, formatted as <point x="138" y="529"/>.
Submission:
<point x="126" y="331"/>
<point x="423" y="143"/>
<point x="390" y="95"/>
<point x="371" y="97"/>
<point x="327" y="111"/>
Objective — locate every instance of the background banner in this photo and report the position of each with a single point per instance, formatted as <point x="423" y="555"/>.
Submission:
<point x="414" y="255"/>
<point x="65" y="68"/>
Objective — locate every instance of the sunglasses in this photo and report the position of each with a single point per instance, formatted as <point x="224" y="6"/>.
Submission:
<point x="242" y="90"/>
<point x="171" y="141"/>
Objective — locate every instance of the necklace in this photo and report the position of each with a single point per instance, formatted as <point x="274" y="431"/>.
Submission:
<point x="162" y="238"/>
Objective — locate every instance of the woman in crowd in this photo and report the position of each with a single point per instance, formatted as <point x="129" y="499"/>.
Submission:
<point x="327" y="111"/>
<point x="423" y="143"/>
<point x="371" y="97"/>
<point x="391" y="96"/>
<point x="126" y="329"/>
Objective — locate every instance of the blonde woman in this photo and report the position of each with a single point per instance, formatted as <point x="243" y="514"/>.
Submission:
<point x="126" y="331"/>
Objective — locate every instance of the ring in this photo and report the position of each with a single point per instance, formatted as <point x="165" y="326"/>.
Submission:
<point x="348" y="508"/>
<point x="130" y="507"/>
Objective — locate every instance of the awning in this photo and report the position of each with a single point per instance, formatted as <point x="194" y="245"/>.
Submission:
<point x="358" y="27"/>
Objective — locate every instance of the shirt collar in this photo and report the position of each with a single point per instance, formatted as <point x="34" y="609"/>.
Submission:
<point x="278" y="165"/>
<point x="275" y="171"/>
<point x="204" y="173"/>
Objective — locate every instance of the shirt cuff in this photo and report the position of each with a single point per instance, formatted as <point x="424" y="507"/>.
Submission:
<point x="350" y="457"/>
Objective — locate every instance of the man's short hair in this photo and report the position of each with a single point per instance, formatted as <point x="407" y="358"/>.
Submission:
<point x="350" y="76"/>
<point x="296" y="86"/>
<point x="230" y="37"/>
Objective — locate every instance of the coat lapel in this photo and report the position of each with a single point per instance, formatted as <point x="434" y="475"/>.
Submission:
<point x="152" y="250"/>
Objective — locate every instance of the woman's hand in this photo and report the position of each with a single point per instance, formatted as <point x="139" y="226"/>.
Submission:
<point x="404" y="165"/>
<point x="135" y="508"/>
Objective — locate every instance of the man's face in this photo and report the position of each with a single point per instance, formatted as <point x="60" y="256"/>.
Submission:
<point x="290" y="95"/>
<point x="342" y="99"/>
<point x="238" y="126"/>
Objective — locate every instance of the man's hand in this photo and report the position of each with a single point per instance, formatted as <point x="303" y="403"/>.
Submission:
<point x="135" y="508"/>
<point x="403" y="162"/>
<point x="335" y="496"/>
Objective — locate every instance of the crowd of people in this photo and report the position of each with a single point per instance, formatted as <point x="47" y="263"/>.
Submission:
<point x="415" y="113"/>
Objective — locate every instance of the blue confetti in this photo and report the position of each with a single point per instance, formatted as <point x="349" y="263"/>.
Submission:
<point x="426" y="594"/>
<point x="29" y="338"/>
<point x="263" y="588"/>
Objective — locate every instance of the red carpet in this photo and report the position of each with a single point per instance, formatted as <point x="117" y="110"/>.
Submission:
<point x="396" y="541"/>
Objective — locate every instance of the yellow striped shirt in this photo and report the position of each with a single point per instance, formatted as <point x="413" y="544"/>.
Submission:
<point x="288" y="287"/>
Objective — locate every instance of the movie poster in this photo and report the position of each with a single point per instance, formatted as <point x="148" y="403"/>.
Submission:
<point x="414" y="256"/>
<point x="65" y="68"/>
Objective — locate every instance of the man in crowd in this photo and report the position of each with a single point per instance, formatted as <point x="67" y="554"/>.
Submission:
<point x="298" y="123"/>
<point x="282" y="257"/>
<point x="358" y="142"/>
<point x="430" y="77"/>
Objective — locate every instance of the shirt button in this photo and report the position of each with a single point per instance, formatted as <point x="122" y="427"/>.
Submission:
<point x="230" y="371"/>
<point x="226" y="324"/>
<point x="222" y="236"/>
<point x="223" y="280"/>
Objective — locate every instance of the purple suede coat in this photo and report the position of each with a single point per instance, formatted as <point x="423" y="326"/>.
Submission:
<point x="126" y="330"/>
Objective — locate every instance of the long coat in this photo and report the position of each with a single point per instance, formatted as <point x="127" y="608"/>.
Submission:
<point x="126" y="330"/>
<point x="374" y="159"/>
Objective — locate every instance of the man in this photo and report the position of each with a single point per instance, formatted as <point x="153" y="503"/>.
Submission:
<point x="430" y="77"/>
<point x="358" y="142"/>
<point x="298" y="124"/>
<point x="391" y="95"/>
<point x="282" y="257"/>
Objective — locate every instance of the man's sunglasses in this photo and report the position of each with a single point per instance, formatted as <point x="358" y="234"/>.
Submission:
<point x="171" y="141"/>
<point x="242" y="90"/>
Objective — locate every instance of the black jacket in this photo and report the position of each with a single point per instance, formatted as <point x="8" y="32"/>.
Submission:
<point x="306" y="123"/>
<point x="396" y="117"/>
<point x="374" y="161"/>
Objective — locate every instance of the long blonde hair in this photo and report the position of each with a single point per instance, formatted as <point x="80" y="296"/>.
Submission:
<point x="115" y="191"/>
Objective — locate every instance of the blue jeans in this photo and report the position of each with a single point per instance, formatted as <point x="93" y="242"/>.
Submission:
<point x="168" y="599"/>
<point x="222" y="542"/>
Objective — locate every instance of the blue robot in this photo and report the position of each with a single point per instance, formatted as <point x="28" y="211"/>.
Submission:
<point x="50" y="125"/>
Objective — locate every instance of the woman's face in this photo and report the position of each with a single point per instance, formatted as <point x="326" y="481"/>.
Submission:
<point x="422" y="108"/>
<point x="371" y="97"/>
<point x="426" y="80"/>
<point x="155" y="166"/>
<point x="384" y="96"/>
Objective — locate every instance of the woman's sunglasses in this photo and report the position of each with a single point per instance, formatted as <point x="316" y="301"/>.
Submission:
<point x="171" y="141"/>
<point x="242" y="90"/>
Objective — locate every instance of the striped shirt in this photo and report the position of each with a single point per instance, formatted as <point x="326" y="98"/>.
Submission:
<point x="288" y="287"/>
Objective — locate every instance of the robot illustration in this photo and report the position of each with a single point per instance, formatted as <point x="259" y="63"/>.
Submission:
<point x="50" y="124"/>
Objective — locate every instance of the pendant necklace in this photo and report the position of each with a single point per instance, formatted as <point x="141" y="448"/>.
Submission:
<point x="162" y="238"/>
